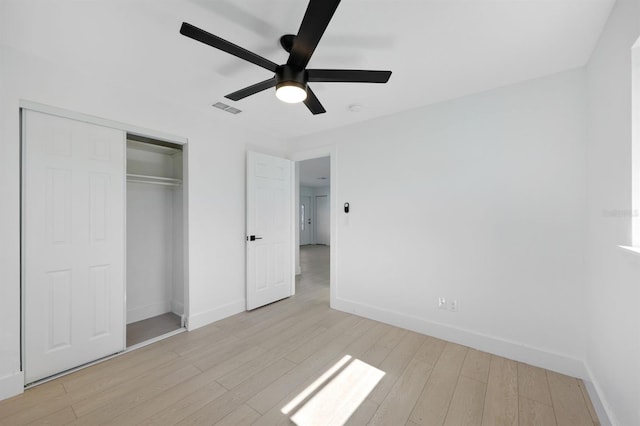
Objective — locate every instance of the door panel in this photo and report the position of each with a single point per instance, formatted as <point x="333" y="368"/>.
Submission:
<point x="269" y="221"/>
<point x="305" y="220"/>
<point x="322" y="220"/>
<point x="73" y="283"/>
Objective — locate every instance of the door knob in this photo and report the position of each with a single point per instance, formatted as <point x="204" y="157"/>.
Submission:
<point x="253" y="238"/>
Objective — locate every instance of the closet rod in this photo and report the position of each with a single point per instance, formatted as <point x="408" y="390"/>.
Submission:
<point x="157" y="180"/>
<point x="154" y="182"/>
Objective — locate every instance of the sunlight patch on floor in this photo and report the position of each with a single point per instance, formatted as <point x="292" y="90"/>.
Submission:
<point x="334" y="402"/>
<point x="315" y="385"/>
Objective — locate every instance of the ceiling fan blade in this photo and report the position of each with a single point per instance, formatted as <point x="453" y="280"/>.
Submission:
<point x="315" y="22"/>
<point x="252" y="90"/>
<point x="226" y="46"/>
<point x="348" y="76"/>
<point x="313" y="103"/>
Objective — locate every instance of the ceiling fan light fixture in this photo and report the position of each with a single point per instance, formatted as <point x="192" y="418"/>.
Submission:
<point x="291" y="92"/>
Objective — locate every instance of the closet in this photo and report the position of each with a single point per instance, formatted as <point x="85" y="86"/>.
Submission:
<point x="102" y="239"/>
<point x="155" y="249"/>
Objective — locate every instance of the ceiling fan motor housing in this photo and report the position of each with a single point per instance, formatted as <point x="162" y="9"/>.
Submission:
<point x="286" y="75"/>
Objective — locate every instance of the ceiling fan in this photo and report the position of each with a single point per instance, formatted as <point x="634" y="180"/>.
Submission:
<point x="291" y="79"/>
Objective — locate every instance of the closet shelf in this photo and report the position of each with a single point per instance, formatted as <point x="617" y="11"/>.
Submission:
<point x="156" y="180"/>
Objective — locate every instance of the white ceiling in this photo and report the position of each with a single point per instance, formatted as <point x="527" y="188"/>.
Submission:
<point x="315" y="172"/>
<point x="437" y="49"/>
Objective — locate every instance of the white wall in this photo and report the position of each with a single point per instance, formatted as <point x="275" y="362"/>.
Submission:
<point x="307" y="190"/>
<point x="613" y="293"/>
<point x="481" y="200"/>
<point x="150" y="256"/>
<point x="216" y="176"/>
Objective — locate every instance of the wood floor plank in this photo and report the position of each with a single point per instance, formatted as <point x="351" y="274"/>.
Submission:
<point x="467" y="403"/>
<point x="44" y="408"/>
<point x="89" y="384"/>
<point x="533" y="384"/>
<point x="181" y="409"/>
<point x="31" y="398"/>
<point x="476" y="365"/>
<point x="129" y="400"/>
<point x="431" y="350"/>
<point x="568" y="402"/>
<point x="149" y="408"/>
<point x="61" y="417"/>
<point x="226" y="361"/>
<point x="363" y="414"/>
<point x="242" y="372"/>
<point x="534" y="413"/>
<point x="243" y="415"/>
<point x="103" y="369"/>
<point x="396" y="407"/>
<point x="93" y="402"/>
<point x="324" y="339"/>
<point x="381" y="350"/>
<point x="184" y="346"/>
<point x="395" y="363"/>
<point x="220" y="407"/>
<point x="433" y="403"/>
<point x="501" y="402"/>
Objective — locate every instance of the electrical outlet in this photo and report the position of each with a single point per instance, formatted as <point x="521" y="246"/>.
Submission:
<point x="442" y="303"/>
<point x="453" y="305"/>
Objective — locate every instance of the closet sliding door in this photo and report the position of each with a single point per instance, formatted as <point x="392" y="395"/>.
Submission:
<point x="73" y="243"/>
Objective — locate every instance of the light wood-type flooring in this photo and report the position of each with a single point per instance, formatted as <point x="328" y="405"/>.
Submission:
<point x="318" y="365"/>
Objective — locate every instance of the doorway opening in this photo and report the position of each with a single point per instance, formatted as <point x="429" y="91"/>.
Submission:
<point x="155" y="240"/>
<point x="313" y="227"/>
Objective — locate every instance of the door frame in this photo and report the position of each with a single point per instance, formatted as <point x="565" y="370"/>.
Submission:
<point x="324" y="151"/>
<point x="128" y="129"/>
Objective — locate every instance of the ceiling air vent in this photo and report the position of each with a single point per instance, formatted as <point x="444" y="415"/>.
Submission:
<point x="226" y="108"/>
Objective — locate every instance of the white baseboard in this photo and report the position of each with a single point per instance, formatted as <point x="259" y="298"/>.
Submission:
<point x="177" y="308"/>
<point x="600" y="403"/>
<point x="509" y="349"/>
<point x="148" y="311"/>
<point x="11" y="385"/>
<point x="204" y="318"/>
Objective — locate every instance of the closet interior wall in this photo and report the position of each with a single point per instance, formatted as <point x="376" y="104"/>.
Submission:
<point x="155" y="252"/>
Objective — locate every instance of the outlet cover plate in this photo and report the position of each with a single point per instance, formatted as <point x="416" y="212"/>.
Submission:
<point x="442" y="303"/>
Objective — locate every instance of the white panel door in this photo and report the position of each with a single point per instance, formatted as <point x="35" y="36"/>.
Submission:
<point x="322" y="220"/>
<point x="305" y="220"/>
<point x="73" y="238"/>
<point x="269" y="229"/>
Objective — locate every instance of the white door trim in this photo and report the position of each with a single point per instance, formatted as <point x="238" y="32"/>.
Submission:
<point x="85" y="118"/>
<point x="334" y="212"/>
